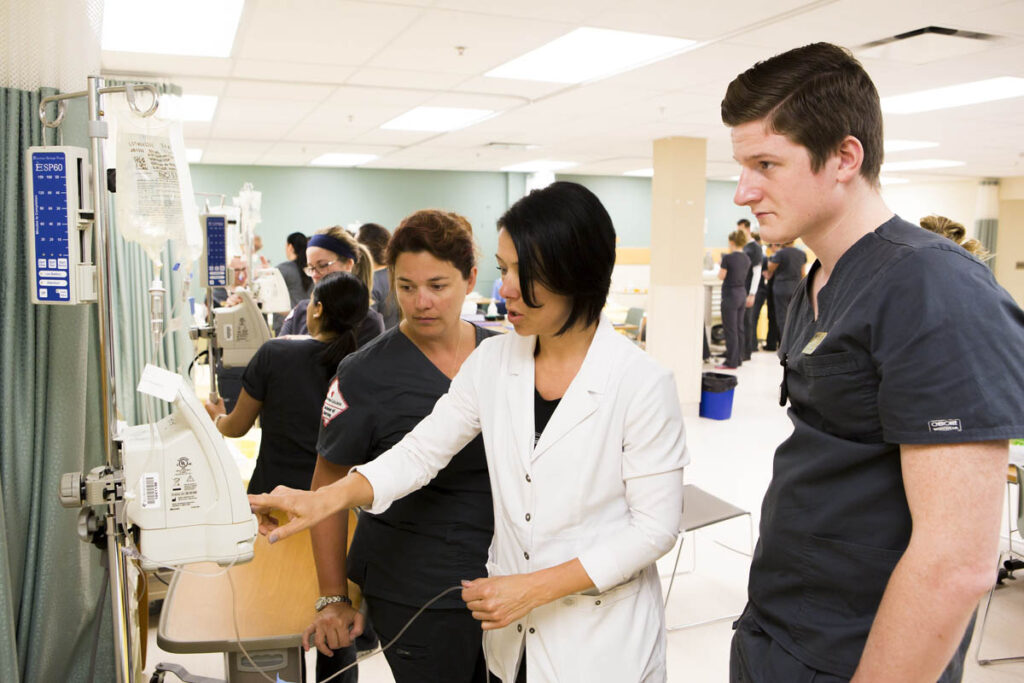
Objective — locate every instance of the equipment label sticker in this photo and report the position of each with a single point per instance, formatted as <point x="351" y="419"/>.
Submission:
<point x="334" y="404"/>
<point x="150" y="490"/>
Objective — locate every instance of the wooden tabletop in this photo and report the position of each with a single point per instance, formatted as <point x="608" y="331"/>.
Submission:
<point x="274" y="600"/>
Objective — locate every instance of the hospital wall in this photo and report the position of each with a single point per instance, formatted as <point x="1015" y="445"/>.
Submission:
<point x="1010" y="244"/>
<point x="307" y="199"/>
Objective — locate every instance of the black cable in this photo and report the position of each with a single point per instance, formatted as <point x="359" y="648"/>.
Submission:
<point x="204" y="352"/>
<point x="99" y="623"/>
<point x="359" y="660"/>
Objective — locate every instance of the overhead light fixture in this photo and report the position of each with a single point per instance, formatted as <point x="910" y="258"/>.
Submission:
<point x="196" y="28"/>
<point x="989" y="90"/>
<point x="907" y="145"/>
<point x="188" y="107"/>
<point x="193" y="155"/>
<point x="920" y="165"/>
<point x="438" y="119"/>
<point x="342" y="159"/>
<point x="587" y="54"/>
<point x="538" y="165"/>
<point x="892" y="180"/>
<point x="641" y="173"/>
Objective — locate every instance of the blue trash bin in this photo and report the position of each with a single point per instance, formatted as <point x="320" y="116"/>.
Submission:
<point x="716" y="392"/>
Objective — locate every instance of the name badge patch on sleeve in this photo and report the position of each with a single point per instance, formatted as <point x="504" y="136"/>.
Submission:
<point x="947" y="425"/>
<point x="334" y="404"/>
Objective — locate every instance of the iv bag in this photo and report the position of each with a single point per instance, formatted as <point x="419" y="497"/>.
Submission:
<point x="154" y="198"/>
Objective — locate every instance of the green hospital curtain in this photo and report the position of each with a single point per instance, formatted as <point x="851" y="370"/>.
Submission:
<point x="50" y="423"/>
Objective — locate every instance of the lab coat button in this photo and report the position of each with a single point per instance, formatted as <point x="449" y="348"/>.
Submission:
<point x="519" y="628"/>
<point x="526" y="555"/>
<point x="528" y="478"/>
<point x="532" y="630"/>
<point x="597" y="602"/>
<point x="527" y="516"/>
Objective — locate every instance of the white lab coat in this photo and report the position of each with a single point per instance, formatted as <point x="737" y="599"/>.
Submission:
<point x="604" y="484"/>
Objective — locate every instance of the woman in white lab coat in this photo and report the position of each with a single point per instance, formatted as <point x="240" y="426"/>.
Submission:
<point x="585" y="503"/>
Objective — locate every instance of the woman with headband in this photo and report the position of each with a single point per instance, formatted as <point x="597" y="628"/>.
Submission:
<point x="334" y="250"/>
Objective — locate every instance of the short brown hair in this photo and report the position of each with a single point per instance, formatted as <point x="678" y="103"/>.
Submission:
<point x="375" y="238"/>
<point x="815" y="95"/>
<point x="442" y="234"/>
<point x="738" y="237"/>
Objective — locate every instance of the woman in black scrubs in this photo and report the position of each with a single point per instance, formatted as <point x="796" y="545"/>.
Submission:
<point x="286" y="381"/>
<point x="439" y="535"/>
<point x="786" y="268"/>
<point x="733" y="274"/>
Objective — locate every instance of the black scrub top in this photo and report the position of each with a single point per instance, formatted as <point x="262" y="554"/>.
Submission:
<point x="791" y="262"/>
<point x="915" y="343"/>
<point x="434" y="537"/>
<point x="288" y="377"/>
<point x="295" y="323"/>
<point x="737" y="267"/>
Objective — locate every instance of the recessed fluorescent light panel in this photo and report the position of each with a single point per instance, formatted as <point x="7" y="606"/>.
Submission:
<point x="538" y="165"/>
<point x="907" y="145"/>
<point x="193" y="155"/>
<point x="438" y="119"/>
<point x="587" y="54"/>
<point x="989" y="90"/>
<point x="920" y="165"/>
<point x="341" y="159"/>
<point x="190" y="107"/>
<point x="641" y="173"/>
<point x="197" y="28"/>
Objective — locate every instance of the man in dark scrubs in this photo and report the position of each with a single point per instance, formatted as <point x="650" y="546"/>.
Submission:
<point x="753" y="251"/>
<point x="902" y="367"/>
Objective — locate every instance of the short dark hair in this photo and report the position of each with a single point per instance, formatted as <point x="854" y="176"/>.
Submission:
<point x="738" y="237"/>
<point x="375" y="238"/>
<point x="815" y="95"/>
<point x="744" y="222"/>
<point x="440" y="233"/>
<point x="298" y="241"/>
<point x="565" y="241"/>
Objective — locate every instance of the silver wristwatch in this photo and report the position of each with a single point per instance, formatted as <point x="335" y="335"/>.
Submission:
<point x="325" y="600"/>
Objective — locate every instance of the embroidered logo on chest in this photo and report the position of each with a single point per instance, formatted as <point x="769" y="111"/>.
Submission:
<point x="334" y="404"/>
<point x="947" y="425"/>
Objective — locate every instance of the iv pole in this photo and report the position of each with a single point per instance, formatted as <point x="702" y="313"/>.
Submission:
<point x="120" y="600"/>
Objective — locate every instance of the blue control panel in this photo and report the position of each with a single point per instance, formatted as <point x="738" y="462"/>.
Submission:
<point x="216" y="251"/>
<point x="52" y="248"/>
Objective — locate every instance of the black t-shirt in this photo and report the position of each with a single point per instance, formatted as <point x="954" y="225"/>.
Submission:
<point x="295" y="323"/>
<point x="436" y="536"/>
<point x="543" y="409"/>
<point x="288" y="377"/>
<point x="753" y="251"/>
<point x="915" y="343"/>
<point x="737" y="266"/>
<point x="791" y="262"/>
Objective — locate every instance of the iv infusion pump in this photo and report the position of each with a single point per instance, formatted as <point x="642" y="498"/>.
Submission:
<point x="59" y="191"/>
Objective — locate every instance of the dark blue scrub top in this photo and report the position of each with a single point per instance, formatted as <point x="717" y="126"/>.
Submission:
<point x="436" y="536"/>
<point x="915" y="343"/>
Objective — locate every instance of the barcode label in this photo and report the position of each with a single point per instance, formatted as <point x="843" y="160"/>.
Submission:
<point x="150" y="490"/>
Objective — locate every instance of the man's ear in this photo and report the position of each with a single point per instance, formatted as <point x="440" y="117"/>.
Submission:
<point x="851" y="156"/>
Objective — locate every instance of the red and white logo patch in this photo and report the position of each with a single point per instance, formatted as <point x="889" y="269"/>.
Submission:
<point x="334" y="404"/>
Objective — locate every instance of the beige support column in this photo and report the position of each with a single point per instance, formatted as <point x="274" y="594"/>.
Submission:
<point x="676" y="299"/>
<point x="1009" y="268"/>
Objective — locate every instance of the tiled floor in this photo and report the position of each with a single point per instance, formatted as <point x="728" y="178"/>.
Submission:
<point x="731" y="459"/>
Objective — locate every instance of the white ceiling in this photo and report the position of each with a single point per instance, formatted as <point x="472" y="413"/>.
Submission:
<point x="306" y="77"/>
